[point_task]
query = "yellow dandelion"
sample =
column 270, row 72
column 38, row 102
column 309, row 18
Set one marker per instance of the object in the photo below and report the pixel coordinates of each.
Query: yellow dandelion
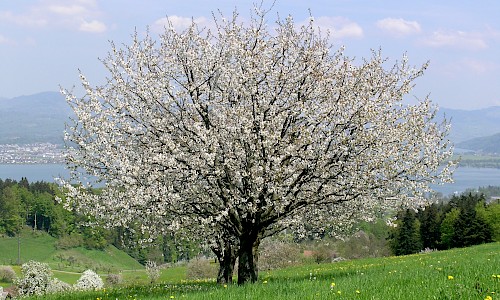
column 339, row 292
column 332, row 285
column 264, row 282
column 225, row 285
column 488, row 298
column 358, row 292
column 450, row 277
column 172, row 297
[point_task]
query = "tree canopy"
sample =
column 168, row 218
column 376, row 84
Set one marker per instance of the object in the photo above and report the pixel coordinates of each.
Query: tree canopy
column 238, row 133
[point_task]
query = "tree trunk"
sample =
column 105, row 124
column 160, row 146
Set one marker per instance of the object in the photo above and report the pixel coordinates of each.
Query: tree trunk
column 227, row 259
column 248, row 257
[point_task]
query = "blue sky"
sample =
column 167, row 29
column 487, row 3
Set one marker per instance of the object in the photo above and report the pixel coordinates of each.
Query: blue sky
column 43, row 43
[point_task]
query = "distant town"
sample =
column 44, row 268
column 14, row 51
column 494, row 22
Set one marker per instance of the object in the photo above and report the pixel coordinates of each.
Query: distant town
column 38, row 153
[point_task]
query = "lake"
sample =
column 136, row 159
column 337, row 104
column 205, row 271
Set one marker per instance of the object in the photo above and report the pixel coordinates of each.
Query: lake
column 464, row 177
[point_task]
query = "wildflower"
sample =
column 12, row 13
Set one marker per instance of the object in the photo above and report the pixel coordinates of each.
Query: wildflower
column 358, row 292
column 488, row 298
column 172, row 297
column 225, row 286
column 450, row 277
column 339, row 292
column 264, row 282
column 332, row 285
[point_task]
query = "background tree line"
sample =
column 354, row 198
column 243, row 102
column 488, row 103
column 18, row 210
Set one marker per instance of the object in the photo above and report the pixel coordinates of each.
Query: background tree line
column 464, row 220
column 33, row 205
column 459, row 221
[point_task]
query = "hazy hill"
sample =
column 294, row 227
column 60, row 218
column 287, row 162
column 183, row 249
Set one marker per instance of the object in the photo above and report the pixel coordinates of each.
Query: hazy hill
column 488, row 144
column 33, row 119
column 469, row 124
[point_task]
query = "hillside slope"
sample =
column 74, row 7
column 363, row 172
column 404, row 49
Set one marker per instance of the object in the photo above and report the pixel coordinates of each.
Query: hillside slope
column 469, row 124
column 488, row 144
column 38, row 118
column 40, row 246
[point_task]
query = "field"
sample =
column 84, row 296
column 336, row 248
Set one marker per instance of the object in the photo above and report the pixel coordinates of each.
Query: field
column 469, row 273
column 40, row 246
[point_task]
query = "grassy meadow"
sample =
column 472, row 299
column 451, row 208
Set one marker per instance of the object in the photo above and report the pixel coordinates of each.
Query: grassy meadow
column 40, row 246
column 468, row 273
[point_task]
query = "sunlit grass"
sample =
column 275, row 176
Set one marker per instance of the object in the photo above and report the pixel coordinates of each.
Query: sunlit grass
column 470, row 273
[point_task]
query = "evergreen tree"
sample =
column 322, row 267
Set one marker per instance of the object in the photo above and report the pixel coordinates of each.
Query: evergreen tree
column 430, row 231
column 470, row 228
column 407, row 237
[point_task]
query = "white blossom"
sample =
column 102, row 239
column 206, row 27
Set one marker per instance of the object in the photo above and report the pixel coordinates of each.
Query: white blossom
column 250, row 129
column 35, row 280
column 89, row 280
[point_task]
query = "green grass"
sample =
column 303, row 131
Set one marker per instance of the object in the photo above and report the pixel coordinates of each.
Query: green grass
column 40, row 247
column 34, row 246
column 470, row 273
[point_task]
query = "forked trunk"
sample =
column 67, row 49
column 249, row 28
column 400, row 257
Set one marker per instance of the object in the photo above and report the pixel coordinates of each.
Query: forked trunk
column 227, row 259
column 248, row 257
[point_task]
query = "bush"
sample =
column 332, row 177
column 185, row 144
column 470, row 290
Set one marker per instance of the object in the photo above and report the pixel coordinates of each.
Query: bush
column 58, row 286
column 324, row 254
column 7, row 274
column 201, row 268
column 69, row 241
column 276, row 254
column 35, row 280
column 363, row 244
column 3, row 294
column 89, row 281
column 114, row 279
column 153, row 271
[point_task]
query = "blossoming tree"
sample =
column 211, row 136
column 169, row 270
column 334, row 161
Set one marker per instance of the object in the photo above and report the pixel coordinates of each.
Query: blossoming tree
column 241, row 132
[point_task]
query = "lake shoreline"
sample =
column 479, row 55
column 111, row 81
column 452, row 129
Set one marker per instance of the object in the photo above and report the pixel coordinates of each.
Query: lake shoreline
column 465, row 177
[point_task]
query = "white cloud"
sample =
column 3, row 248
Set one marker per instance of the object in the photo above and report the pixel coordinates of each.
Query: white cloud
column 92, row 26
column 68, row 10
column 28, row 20
column 178, row 23
column 70, row 14
column 399, row 27
column 339, row 27
column 456, row 39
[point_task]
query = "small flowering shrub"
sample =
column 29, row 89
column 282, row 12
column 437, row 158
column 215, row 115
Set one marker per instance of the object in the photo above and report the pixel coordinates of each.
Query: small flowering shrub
column 7, row 274
column 275, row 254
column 3, row 295
column 89, row 281
column 114, row 279
column 153, row 271
column 35, row 280
column 58, row 286
column 201, row 268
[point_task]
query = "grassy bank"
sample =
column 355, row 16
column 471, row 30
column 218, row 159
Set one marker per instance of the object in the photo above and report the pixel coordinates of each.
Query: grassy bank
column 40, row 246
column 470, row 273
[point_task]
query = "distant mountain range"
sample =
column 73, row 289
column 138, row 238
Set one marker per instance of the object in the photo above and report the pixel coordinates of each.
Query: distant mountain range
column 470, row 124
column 40, row 118
column 487, row 144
